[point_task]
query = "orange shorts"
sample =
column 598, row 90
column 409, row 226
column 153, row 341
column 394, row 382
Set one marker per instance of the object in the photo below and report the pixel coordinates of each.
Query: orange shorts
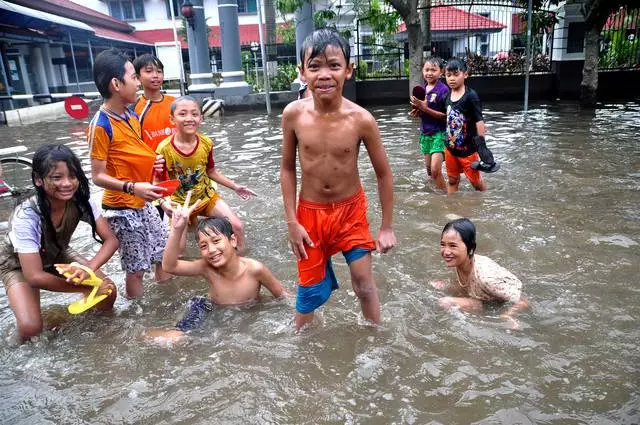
column 335, row 227
column 457, row 165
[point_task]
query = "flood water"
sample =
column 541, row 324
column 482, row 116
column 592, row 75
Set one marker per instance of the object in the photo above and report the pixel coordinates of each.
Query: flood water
column 562, row 214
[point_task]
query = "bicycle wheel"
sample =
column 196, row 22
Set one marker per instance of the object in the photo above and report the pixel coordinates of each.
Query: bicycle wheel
column 16, row 173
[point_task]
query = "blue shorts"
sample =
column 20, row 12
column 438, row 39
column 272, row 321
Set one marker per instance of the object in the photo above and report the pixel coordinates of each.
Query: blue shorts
column 197, row 308
column 311, row 297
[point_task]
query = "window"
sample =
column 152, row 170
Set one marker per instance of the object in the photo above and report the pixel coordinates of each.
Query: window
column 575, row 37
column 176, row 8
column 127, row 10
column 247, row 6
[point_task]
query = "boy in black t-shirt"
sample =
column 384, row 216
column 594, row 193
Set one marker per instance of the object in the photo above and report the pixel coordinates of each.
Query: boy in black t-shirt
column 466, row 149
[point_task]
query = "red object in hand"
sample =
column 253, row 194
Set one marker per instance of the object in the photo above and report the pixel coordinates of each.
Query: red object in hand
column 419, row 92
column 76, row 107
column 170, row 185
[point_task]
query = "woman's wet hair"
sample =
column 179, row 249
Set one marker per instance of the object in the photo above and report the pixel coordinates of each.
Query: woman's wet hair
column 44, row 161
column 456, row 65
column 434, row 60
column 318, row 41
column 466, row 230
column 185, row 98
column 107, row 66
column 145, row 60
column 214, row 225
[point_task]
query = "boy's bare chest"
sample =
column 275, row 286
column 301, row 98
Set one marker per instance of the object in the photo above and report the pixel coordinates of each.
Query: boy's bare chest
column 328, row 140
column 240, row 289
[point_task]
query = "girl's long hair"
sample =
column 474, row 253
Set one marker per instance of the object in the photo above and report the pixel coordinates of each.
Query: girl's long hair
column 45, row 160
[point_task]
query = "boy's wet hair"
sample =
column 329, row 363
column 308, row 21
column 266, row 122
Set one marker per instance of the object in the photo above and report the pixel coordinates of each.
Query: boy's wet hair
column 214, row 225
column 456, row 65
column 107, row 66
column 185, row 98
column 466, row 230
column 318, row 41
column 434, row 60
column 145, row 60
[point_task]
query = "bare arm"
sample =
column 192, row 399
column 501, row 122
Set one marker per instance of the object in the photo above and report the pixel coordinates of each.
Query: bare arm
column 36, row 277
column 242, row 191
column 371, row 137
column 107, row 249
column 269, row 281
column 481, row 128
column 143, row 190
column 170, row 261
column 297, row 234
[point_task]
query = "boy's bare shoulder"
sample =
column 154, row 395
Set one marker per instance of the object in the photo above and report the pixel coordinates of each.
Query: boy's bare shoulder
column 253, row 266
column 294, row 108
column 358, row 112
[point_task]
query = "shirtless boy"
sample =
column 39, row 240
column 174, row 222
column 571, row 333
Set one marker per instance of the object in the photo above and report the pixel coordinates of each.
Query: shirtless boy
column 326, row 130
column 232, row 279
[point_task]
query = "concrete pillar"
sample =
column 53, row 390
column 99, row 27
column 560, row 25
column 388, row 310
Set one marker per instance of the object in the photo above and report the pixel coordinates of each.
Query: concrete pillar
column 49, row 69
column 304, row 25
column 38, row 67
column 232, row 74
column 201, row 76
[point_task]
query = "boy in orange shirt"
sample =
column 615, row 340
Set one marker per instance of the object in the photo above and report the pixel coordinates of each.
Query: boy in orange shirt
column 327, row 130
column 122, row 164
column 153, row 107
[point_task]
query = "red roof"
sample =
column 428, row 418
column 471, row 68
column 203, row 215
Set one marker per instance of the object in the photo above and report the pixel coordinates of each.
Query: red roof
column 248, row 33
column 107, row 33
column 448, row 18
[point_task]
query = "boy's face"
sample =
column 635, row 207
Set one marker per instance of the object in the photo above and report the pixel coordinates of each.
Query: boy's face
column 431, row 72
column 216, row 249
column 455, row 79
column 187, row 117
column 325, row 74
column 151, row 77
column 128, row 87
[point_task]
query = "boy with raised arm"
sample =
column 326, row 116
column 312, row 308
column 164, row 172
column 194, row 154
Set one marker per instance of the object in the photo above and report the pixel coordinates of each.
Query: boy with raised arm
column 326, row 130
column 232, row 279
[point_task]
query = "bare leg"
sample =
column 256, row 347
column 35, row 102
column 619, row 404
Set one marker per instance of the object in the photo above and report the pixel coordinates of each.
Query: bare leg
column 303, row 320
column 452, row 184
column 161, row 275
column 427, row 163
column 436, row 171
column 134, row 284
column 480, row 186
column 365, row 288
column 221, row 209
column 170, row 335
column 25, row 303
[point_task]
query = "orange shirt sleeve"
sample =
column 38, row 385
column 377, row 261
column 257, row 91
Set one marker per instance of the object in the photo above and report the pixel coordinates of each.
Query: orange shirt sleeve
column 98, row 142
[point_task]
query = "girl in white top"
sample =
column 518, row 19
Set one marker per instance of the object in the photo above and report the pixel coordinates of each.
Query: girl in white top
column 479, row 279
column 40, row 230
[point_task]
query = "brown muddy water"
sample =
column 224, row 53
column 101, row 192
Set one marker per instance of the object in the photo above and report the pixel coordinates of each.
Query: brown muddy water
column 562, row 214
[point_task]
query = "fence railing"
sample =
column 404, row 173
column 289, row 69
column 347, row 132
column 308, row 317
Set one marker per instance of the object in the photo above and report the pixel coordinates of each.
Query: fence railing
column 619, row 42
column 490, row 34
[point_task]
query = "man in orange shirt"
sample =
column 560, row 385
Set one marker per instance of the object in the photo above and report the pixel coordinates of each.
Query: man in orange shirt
column 122, row 164
column 153, row 107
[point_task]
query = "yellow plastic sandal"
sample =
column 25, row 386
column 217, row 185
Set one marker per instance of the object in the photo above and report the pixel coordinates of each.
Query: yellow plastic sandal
column 91, row 300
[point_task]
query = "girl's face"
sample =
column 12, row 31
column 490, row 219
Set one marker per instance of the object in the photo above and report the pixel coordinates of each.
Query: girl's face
column 187, row 117
column 431, row 73
column 452, row 249
column 60, row 184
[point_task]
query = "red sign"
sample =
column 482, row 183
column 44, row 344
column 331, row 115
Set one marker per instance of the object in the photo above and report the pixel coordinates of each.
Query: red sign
column 76, row 107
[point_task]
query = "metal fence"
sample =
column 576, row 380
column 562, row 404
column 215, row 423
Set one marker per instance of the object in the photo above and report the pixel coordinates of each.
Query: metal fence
column 619, row 44
column 490, row 35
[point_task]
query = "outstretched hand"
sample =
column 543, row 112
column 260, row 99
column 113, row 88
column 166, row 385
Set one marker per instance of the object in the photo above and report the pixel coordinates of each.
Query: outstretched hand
column 181, row 213
column 244, row 192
